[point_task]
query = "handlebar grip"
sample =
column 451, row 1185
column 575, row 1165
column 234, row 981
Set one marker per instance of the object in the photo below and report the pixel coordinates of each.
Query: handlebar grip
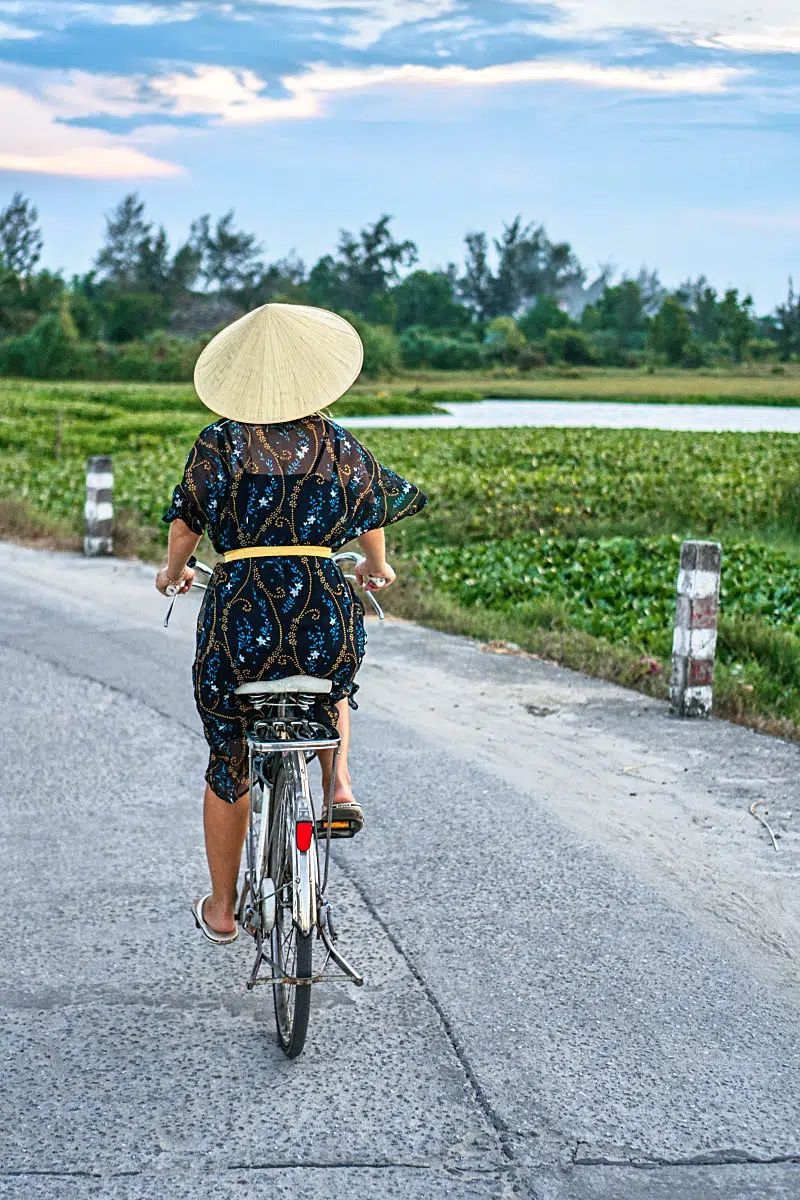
column 171, row 589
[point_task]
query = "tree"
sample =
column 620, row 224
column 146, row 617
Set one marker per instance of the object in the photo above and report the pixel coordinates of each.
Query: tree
column 652, row 291
column 476, row 285
column 736, row 319
column 323, row 282
column 119, row 261
column 529, row 265
column 285, row 278
column 20, row 236
column 420, row 347
column 50, row 350
column 787, row 325
column 428, row 298
column 130, row 316
column 619, row 310
column 365, row 267
column 381, row 348
column 569, row 346
column 670, row 330
column 504, row 339
column 542, row 316
column 702, row 304
column 229, row 259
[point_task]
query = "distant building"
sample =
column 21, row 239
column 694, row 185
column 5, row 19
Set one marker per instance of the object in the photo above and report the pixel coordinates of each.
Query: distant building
column 198, row 313
column 576, row 297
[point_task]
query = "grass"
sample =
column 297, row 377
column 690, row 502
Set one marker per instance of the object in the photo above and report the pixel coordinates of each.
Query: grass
column 751, row 384
column 545, row 633
column 20, row 521
column 561, row 541
column 65, row 418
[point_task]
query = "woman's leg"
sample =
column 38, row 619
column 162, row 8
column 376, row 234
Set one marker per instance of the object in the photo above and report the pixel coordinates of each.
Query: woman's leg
column 342, row 792
column 225, row 827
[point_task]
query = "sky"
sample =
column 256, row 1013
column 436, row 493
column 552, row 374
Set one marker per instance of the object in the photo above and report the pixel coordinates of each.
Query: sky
column 663, row 135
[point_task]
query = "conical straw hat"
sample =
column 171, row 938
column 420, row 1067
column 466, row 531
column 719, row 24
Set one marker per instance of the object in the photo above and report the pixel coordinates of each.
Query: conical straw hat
column 279, row 362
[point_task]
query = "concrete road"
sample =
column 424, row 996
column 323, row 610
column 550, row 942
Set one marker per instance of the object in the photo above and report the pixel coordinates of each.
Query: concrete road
column 581, row 951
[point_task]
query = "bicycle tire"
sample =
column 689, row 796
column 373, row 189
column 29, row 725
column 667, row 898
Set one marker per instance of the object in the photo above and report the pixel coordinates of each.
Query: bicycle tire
column 291, row 950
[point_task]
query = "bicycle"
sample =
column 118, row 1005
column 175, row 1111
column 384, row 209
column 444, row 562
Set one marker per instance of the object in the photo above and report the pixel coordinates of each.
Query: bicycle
column 283, row 901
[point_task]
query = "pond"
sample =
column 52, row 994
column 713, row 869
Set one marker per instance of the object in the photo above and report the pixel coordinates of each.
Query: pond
column 700, row 418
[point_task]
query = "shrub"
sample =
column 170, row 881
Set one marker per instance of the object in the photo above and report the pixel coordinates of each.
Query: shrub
column 670, row 330
column 49, row 351
column 569, row 346
column 420, row 348
column 504, row 340
column 381, row 351
column 449, row 396
column 542, row 316
column 763, row 348
column 695, row 354
column 162, row 358
column 130, row 316
column 530, row 358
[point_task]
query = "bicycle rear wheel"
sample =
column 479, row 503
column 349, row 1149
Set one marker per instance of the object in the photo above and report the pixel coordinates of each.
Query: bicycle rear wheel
column 291, row 949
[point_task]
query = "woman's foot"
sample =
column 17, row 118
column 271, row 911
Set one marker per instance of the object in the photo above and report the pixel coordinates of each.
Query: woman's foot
column 347, row 818
column 217, row 915
column 342, row 791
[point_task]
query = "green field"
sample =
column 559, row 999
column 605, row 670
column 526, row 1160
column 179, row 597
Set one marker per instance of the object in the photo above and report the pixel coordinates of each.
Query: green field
column 751, row 384
column 563, row 541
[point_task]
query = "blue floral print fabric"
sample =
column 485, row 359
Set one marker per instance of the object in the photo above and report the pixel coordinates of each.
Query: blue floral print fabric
column 306, row 482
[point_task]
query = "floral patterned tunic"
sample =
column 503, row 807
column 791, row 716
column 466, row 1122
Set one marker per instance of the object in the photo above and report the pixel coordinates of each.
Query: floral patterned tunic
column 304, row 482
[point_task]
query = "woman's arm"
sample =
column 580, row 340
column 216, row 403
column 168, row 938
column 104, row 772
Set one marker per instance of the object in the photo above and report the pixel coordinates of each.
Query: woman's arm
column 182, row 545
column 373, row 543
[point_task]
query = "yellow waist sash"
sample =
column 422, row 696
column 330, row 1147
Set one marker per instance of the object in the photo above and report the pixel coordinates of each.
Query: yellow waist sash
column 278, row 552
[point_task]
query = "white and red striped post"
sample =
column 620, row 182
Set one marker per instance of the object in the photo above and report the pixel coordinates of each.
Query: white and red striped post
column 695, row 640
column 99, row 508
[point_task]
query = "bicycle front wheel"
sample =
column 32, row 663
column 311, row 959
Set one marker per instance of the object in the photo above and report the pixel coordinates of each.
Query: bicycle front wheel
column 291, row 948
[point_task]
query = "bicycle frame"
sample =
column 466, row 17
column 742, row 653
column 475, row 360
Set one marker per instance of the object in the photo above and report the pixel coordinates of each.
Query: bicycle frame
column 310, row 907
column 282, row 738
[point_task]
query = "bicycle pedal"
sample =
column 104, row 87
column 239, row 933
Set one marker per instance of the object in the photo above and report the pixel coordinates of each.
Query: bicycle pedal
column 339, row 829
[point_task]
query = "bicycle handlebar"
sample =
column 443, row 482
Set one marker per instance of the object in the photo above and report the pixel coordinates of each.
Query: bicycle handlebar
column 347, row 555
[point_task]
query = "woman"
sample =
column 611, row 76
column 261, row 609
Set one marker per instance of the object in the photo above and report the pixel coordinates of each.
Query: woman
column 274, row 474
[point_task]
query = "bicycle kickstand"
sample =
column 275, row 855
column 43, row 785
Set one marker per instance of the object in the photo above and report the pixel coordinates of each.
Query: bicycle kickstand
column 328, row 935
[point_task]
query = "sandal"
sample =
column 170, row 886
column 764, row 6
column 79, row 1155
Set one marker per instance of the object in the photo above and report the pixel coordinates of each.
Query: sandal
column 219, row 939
column 346, row 821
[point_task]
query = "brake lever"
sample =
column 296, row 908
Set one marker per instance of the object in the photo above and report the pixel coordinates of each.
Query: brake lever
column 373, row 601
column 172, row 590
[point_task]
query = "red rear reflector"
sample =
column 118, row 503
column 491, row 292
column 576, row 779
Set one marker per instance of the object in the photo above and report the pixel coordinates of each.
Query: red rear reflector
column 304, row 831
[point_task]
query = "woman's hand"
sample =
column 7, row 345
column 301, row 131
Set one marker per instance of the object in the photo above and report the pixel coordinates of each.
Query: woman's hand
column 374, row 576
column 374, row 573
column 181, row 583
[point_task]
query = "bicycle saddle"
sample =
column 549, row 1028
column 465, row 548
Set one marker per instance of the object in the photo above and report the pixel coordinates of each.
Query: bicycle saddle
column 303, row 685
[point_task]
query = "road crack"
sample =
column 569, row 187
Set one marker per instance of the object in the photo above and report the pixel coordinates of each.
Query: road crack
column 729, row 1157
column 492, row 1116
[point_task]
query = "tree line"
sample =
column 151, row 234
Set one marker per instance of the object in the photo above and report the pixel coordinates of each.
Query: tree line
column 520, row 300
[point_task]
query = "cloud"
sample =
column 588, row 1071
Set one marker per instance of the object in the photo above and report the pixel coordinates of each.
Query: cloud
column 43, row 137
column 769, row 41
column 320, row 80
column 34, row 140
column 10, row 33
column 770, row 26
column 145, row 14
column 368, row 20
column 58, row 14
column 365, row 21
column 237, row 97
